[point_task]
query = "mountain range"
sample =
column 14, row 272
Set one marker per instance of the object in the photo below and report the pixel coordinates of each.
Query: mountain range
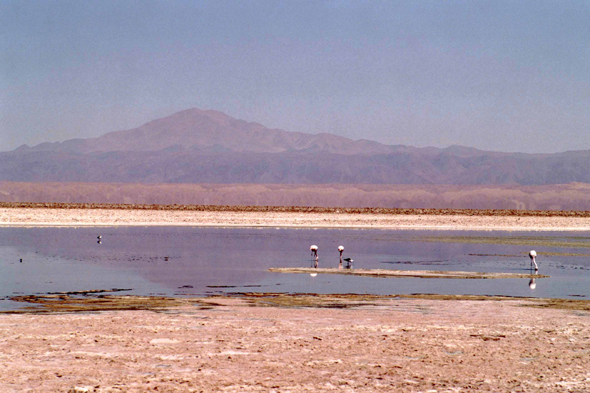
column 206, row 146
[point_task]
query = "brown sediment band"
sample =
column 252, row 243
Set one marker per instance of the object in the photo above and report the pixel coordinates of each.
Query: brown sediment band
column 302, row 209
column 50, row 304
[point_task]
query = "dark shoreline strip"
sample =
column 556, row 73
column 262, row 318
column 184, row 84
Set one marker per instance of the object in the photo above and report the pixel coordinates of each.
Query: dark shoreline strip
column 67, row 304
column 300, row 209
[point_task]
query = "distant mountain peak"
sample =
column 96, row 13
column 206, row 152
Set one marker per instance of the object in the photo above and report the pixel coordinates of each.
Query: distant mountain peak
column 214, row 130
column 208, row 146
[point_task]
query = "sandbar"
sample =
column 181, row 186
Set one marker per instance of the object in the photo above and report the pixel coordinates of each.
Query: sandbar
column 393, row 273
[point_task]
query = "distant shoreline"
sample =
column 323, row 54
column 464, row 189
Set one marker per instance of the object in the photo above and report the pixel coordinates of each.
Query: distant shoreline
column 72, row 215
column 299, row 209
column 557, row 197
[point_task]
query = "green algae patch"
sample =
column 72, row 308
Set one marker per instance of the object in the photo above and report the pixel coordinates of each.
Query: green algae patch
column 55, row 304
column 310, row 300
column 561, row 304
column 563, row 254
column 348, row 301
column 64, row 303
column 529, row 241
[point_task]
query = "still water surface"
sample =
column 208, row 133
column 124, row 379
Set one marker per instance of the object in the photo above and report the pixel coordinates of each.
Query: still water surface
column 201, row 261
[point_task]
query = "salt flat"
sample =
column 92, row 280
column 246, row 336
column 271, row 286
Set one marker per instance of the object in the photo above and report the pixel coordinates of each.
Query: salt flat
column 142, row 217
column 302, row 343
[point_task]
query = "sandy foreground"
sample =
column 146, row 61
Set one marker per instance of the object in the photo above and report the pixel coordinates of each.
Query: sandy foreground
column 290, row 343
column 244, row 345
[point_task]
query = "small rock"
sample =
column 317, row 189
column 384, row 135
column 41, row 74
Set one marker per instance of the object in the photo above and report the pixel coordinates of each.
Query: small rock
column 80, row 389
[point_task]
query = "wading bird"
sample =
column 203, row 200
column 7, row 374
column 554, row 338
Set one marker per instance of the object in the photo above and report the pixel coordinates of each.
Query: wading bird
column 314, row 254
column 349, row 262
column 533, row 255
column 341, row 250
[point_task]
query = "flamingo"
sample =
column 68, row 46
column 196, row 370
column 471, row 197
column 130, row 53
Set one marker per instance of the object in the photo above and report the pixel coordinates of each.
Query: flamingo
column 532, row 255
column 314, row 254
column 341, row 250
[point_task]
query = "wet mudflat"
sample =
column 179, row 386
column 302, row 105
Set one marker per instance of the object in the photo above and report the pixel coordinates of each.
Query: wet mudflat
column 188, row 262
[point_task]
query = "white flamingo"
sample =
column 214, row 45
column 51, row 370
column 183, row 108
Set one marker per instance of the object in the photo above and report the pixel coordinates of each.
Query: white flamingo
column 314, row 254
column 533, row 255
column 341, row 250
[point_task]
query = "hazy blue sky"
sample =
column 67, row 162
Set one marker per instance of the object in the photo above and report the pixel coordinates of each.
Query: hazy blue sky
column 498, row 75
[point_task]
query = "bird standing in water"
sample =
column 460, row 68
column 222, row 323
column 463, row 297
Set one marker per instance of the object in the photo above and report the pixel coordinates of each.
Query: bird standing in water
column 349, row 262
column 533, row 255
column 314, row 254
column 341, row 250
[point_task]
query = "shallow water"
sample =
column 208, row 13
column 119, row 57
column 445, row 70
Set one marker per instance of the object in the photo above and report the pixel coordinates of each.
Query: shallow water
column 200, row 261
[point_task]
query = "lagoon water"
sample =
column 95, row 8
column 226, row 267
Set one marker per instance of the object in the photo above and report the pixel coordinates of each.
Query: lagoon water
column 184, row 261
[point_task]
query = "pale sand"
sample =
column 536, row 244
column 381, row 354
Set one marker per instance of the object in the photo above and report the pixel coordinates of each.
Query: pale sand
column 115, row 217
column 375, row 345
